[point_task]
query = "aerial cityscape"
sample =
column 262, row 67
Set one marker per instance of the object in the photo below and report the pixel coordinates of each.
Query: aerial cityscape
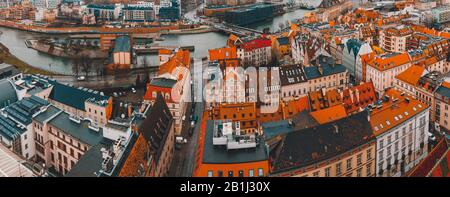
column 224, row 88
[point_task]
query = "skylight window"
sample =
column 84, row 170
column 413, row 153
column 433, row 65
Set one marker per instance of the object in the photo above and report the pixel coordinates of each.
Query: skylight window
column 400, row 116
column 388, row 123
column 396, row 118
column 420, row 106
column 376, row 128
column 414, row 108
column 406, row 113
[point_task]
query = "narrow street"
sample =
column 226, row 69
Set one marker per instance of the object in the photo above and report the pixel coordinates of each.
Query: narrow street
column 184, row 159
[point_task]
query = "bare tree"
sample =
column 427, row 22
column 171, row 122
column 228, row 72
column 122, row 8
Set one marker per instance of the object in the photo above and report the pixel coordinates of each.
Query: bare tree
column 86, row 64
column 76, row 66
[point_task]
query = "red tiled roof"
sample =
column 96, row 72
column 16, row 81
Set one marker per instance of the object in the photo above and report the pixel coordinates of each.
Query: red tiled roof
column 430, row 165
column 359, row 96
column 256, row 44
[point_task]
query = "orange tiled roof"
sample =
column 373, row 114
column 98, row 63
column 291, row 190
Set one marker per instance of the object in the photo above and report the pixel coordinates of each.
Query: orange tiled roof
column 411, row 75
column 181, row 58
column 222, row 53
column 165, row 52
column 329, row 114
column 387, row 117
column 389, row 61
column 295, row 106
column 446, row 84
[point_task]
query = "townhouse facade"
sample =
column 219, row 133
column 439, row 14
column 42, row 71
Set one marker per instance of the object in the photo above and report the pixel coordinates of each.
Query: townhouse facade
column 400, row 125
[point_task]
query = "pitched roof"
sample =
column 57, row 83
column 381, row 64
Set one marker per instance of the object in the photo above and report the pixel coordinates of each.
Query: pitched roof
column 222, row 53
column 157, row 126
column 256, row 44
column 444, row 89
column 291, row 74
column 389, row 113
column 359, row 96
column 329, row 114
column 74, row 97
column 180, row 58
column 412, row 75
column 326, row 69
column 313, row 145
column 163, row 82
column 436, row 163
column 390, row 60
column 353, row 46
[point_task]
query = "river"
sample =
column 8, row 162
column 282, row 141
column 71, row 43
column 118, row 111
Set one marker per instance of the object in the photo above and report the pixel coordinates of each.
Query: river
column 14, row 40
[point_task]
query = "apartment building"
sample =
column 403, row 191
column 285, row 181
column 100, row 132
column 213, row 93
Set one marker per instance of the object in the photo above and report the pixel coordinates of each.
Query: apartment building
column 400, row 124
column 441, row 14
column 314, row 152
column 138, row 13
column 382, row 69
column 293, row 82
column 16, row 131
column 80, row 102
column 326, row 74
column 393, row 39
column 442, row 96
column 352, row 52
column 173, row 82
column 421, row 84
column 255, row 51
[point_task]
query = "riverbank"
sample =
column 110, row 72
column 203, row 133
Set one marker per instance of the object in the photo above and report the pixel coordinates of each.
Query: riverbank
column 7, row 57
column 83, row 30
column 65, row 52
column 199, row 30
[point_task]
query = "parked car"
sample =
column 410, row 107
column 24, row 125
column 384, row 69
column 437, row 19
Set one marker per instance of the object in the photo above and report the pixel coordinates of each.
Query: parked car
column 81, row 78
column 431, row 136
column 192, row 124
column 133, row 90
column 115, row 94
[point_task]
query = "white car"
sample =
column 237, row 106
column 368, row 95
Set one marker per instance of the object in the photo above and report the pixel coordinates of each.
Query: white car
column 81, row 78
column 431, row 137
column 133, row 90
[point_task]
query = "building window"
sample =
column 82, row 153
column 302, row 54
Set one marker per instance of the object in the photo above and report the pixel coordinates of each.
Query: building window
column 349, row 164
column 369, row 169
column 338, row 169
column 359, row 172
column 359, row 159
column 251, row 173
column 241, row 173
column 316, row 174
column 220, row 173
column 260, row 172
column 327, row 172
column 230, row 173
column 210, row 173
column 369, row 154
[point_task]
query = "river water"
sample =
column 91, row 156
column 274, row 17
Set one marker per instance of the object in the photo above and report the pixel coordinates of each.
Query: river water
column 14, row 40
